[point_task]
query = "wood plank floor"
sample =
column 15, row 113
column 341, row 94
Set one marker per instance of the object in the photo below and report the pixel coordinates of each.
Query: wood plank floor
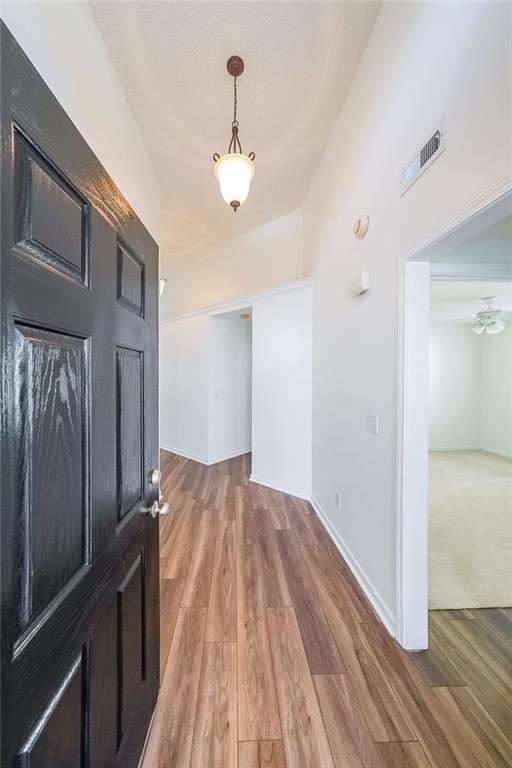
column 272, row 657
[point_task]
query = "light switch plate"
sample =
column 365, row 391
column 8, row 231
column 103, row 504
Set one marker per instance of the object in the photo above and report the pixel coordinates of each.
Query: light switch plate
column 372, row 424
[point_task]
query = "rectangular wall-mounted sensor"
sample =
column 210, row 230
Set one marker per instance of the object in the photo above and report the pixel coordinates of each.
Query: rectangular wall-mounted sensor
column 360, row 284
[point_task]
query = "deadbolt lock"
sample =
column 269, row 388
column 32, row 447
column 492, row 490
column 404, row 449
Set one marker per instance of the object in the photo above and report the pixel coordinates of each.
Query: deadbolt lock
column 154, row 477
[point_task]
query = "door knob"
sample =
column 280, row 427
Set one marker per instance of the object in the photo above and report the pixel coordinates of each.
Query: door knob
column 158, row 509
column 154, row 477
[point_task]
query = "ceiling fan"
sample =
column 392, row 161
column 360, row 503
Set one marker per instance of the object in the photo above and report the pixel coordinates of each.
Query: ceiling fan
column 490, row 319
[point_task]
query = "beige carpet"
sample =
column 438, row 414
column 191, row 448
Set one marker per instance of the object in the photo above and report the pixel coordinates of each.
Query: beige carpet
column 470, row 530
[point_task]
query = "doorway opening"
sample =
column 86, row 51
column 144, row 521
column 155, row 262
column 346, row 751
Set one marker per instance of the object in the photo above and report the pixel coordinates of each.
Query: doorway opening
column 230, row 385
column 470, row 443
column 476, row 247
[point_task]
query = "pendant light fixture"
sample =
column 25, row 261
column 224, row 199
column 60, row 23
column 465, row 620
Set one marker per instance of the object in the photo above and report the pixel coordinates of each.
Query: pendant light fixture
column 234, row 171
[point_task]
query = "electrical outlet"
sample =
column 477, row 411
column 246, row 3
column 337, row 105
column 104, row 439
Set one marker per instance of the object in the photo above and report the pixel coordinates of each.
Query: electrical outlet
column 337, row 497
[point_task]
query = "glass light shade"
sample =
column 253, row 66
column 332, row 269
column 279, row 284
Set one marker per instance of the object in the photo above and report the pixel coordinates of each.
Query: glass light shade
column 495, row 327
column 163, row 283
column 234, row 173
column 478, row 329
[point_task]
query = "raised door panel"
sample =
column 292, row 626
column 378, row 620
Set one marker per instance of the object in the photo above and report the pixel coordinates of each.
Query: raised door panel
column 103, row 687
column 131, row 643
column 52, row 414
column 130, row 429
column 52, row 217
column 59, row 736
column 130, row 280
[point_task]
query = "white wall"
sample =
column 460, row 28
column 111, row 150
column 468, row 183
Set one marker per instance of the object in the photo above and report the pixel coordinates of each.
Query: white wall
column 262, row 258
column 397, row 97
column 184, row 363
column 66, row 47
column 455, row 374
column 470, row 389
column 496, row 404
column 230, row 352
column 281, row 410
column 196, row 358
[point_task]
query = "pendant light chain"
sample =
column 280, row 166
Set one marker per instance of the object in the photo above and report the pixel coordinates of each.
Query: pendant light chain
column 234, row 144
column 235, row 102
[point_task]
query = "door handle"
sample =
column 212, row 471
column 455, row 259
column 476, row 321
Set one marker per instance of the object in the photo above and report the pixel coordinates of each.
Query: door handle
column 158, row 509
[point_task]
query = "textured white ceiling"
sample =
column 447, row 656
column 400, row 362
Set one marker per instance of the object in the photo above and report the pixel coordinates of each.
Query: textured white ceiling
column 171, row 60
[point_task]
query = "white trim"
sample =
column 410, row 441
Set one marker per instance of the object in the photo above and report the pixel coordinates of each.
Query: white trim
column 200, row 459
column 494, row 194
column 470, row 272
column 185, row 454
column 412, row 458
column 244, row 301
column 412, row 448
column 483, row 448
column 383, row 611
column 455, row 448
column 496, row 452
column 289, row 489
column 233, row 455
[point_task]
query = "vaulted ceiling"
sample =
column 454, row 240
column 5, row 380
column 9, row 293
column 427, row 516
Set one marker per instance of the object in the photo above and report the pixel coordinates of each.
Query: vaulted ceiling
column 171, row 58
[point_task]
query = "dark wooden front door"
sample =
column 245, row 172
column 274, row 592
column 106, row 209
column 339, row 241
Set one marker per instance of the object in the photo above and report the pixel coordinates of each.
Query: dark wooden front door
column 79, row 290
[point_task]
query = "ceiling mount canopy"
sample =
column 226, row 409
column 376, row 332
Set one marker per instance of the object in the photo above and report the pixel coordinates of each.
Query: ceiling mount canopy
column 234, row 170
column 235, row 66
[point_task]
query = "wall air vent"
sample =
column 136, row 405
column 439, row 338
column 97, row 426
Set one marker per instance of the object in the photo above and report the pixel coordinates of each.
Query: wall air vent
column 423, row 159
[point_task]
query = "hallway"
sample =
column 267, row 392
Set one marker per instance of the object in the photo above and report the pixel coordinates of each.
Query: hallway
column 271, row 655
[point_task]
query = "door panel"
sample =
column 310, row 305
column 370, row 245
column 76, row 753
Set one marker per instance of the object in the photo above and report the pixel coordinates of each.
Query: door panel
column 130, row 429
column 130, row 629
column 130, row 280
column 79, row 282
column 52, row 398
column 103, row 687
column 51, row 216
column 64, row 716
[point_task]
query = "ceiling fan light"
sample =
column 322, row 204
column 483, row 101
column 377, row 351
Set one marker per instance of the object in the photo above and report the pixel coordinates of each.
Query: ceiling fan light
column 234, row 173
column 496, row 327
column 478, row 329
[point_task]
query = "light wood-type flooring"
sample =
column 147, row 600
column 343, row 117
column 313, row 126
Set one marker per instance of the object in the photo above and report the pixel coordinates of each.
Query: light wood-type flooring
column 271, row 656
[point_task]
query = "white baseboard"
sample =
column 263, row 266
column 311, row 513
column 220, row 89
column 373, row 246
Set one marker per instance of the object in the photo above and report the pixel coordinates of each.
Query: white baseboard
column 185, row 454
column 202, row 459
column 292, row 491
column 472, row 448
column 383, row 611
column 455, row 448
column 225, row 457
column 496, row 452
